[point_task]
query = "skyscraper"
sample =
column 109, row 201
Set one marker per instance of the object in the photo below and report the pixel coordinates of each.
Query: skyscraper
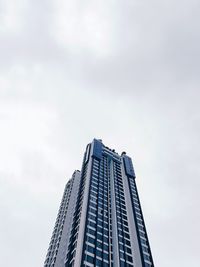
column 100, row 221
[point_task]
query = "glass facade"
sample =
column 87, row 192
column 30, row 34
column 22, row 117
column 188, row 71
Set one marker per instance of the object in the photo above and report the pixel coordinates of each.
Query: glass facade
column 58, row 229
column 107, row 226
column 98, row 234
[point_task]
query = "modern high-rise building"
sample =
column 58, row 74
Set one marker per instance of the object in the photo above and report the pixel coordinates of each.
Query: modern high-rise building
column 100, row 221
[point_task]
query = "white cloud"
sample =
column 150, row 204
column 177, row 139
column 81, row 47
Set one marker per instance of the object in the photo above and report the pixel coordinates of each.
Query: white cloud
column 24, row 127
column 12, row 16
column 85, row 27
column 124, row 71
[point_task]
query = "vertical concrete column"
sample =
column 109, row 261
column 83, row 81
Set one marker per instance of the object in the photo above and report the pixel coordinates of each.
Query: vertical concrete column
column 116, row 262
column 131, row 220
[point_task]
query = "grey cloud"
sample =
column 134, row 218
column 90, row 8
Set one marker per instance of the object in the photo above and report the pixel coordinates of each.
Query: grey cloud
column 138, row 90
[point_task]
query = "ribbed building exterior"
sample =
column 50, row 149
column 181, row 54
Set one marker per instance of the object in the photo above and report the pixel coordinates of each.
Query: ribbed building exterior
column 100, row 221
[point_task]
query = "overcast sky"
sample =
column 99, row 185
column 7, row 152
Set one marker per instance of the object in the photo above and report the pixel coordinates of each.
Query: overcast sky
column 125, row 71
